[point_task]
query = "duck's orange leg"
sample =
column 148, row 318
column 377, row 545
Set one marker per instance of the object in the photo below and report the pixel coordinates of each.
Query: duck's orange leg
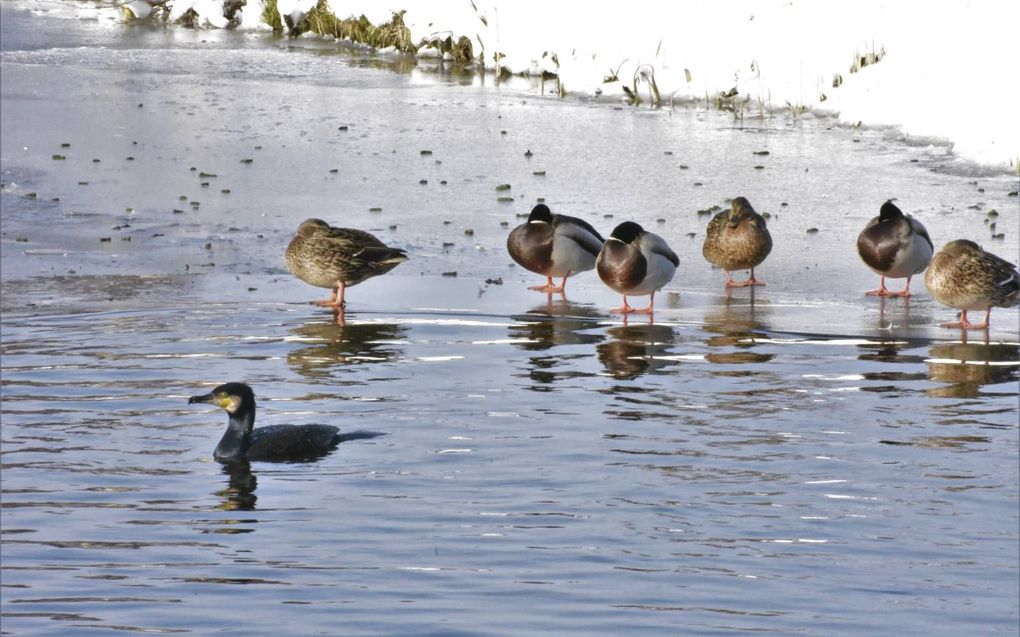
column 336, row 299
column 550, row 287
column 964, row 324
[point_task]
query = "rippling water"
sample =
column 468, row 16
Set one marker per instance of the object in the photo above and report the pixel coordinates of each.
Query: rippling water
column 792, row 460
column 608, row 478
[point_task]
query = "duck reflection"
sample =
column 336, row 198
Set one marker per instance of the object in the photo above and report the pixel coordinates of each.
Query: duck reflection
column 904, row 366
column 965, row 366
column 557, row 322
column 638, row 349
column 895, row 315
column 889, row 351
column 329, row 345
column 239, row 494
column 734, row 324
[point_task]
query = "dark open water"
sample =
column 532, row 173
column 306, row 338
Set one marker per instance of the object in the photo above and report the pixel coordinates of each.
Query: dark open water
column 801, row 461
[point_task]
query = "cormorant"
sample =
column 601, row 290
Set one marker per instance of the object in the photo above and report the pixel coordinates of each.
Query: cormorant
column 241, row 442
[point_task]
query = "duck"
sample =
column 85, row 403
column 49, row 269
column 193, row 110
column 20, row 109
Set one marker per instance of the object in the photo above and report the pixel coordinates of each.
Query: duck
column 338, row 258
column 554, row 245
column 894, row 246
column 636, row 262
column 241, row 442
column 737, row 239
column 964, row 276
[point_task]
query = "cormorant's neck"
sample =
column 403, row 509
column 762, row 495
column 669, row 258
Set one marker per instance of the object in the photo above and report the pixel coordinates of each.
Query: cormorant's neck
column 237, row 438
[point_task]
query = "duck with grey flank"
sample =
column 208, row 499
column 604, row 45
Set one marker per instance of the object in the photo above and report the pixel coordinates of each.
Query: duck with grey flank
column 894, row 246
column 635, row 262
column 554, row 245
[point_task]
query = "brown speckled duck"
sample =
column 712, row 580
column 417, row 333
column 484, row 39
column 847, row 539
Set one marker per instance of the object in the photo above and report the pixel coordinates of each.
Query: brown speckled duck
column 894, row 245
column 554, row 245
column 962, row 275
column 337, row 258
column 635, row 262
column 737, row 239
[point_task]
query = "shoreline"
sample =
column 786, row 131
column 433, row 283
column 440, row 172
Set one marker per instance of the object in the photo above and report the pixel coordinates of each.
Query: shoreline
column 871, row 74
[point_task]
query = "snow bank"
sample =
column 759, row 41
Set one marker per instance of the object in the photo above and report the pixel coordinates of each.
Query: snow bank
column 934, row 70
column 938, row 70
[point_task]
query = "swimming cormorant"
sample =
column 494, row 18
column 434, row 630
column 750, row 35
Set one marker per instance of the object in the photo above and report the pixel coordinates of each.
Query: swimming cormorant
column 241, row 442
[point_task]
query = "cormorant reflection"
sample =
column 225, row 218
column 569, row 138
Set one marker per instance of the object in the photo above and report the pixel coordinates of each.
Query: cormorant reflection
column 239, row 494
column 330, row 345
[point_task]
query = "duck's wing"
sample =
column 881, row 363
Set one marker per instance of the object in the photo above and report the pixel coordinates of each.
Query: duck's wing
column 580, row 232
column 918, row 228
column 716, row 224
column 381, row 255
column 654, row 244
column 360, row 248
column 351, row 239
column 1005, row 277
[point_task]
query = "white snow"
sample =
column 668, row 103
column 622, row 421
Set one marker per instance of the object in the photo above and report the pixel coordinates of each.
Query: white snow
column 942, row 71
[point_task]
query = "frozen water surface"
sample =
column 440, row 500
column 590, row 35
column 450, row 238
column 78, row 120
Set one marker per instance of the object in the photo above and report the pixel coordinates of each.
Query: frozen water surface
column 799, row 460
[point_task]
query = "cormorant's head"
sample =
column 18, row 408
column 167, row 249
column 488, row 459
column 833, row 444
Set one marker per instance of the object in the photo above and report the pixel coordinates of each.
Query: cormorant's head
column 229, row 396
column 540, row 213
column 889, row 212
column 626, row 232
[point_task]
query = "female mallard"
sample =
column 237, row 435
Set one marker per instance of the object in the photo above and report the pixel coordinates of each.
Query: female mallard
column 634, row 262
column 737, row 239
column 554, row 246
column 894, row 245
column 964, row 276
column 241, row 442
column 337, row 258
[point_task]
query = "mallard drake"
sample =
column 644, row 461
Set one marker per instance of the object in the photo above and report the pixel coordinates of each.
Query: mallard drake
column 894, row 245
column 241, row 442
column 338, row 258
column 635, row 262
column 737, row 239
column 964, row 276
column 554, row 245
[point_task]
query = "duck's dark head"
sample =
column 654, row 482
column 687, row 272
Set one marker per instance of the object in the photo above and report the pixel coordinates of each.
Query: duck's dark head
column 889, row 212
column 627, row 232
column 235, row 398
column 540, row 214
column 740, row 209
column 309, row 227
column 961, row 247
